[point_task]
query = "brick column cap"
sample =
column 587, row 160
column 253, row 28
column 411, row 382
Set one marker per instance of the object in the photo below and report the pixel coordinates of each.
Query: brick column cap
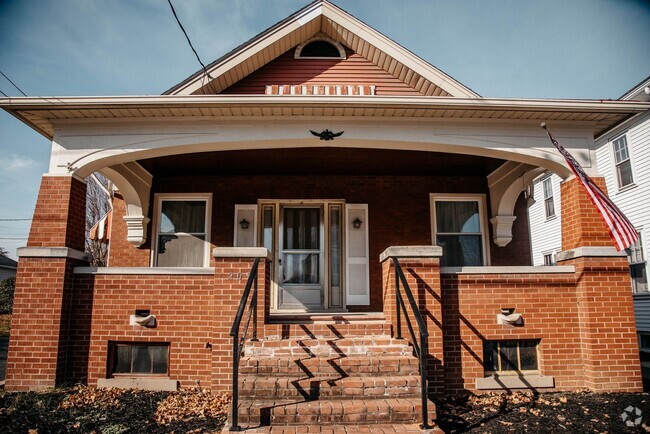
column 52, row 252
column 589, row 252
column 241, row 252
column 411, row 252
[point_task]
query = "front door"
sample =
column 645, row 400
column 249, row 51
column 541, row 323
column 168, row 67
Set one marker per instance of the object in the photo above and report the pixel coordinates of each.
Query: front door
column 301, row 257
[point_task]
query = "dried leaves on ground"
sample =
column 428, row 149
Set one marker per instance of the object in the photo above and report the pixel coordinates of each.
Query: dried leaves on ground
column 521, row 412
column 112, row 411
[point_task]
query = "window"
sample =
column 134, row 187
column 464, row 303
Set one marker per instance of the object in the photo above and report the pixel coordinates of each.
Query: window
column 549, row 204
column 548, row 259
column 622, row 161
column 320, row 49
column 139, row 358
column 182, row 231
column 637, row 267
column 510, row 357
column 458, row 229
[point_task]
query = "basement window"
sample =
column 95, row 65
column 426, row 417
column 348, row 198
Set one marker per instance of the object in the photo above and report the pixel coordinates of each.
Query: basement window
column 139, row 358
column 511, row 357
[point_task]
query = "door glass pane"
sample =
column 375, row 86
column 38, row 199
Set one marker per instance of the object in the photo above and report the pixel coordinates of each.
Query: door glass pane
column 301, row 268
column 301, row 229
column 182, row 216
column 460, row 250
column 457, row 216
column 335, row 247
column 267, row 231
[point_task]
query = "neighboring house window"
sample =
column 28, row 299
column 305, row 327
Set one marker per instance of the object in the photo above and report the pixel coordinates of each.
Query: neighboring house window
column 139, row 358
column 510, row 357
column 548, row 259
column 622, row 161
column 459, row 230
column 182, row 231
column 549, row 204
column 637, row 267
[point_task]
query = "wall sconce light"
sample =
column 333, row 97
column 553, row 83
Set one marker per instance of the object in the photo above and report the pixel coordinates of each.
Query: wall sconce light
column 357, row 223
column 244, row 224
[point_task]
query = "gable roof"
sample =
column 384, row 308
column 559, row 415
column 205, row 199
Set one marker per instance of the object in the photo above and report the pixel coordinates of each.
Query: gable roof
column 6, row 262
column 322, row 17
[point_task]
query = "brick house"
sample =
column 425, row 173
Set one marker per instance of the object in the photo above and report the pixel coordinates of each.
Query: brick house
column 328, row 162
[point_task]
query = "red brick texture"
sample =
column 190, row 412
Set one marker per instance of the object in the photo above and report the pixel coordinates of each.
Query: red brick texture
column 423, row 277
column 582, row 225
column 194, row 315
column 60, row 215
column 122, row 253
column 40, row 329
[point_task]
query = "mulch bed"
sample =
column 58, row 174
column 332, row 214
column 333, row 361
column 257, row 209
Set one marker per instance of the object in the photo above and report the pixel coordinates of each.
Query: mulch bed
column 87, row 410
column 580, row 412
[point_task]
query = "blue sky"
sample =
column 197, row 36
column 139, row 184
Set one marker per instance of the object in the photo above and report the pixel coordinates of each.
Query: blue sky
column 594, row 49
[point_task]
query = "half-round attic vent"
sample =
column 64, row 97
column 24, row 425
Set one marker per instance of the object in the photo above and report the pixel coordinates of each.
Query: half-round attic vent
column 320, row 48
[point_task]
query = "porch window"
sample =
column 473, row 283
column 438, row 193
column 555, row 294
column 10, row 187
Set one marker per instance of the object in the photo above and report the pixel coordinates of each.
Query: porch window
column 622, row 161
column 510, row 357
column 139, row 358
column 549, row 201
column 458, row 229
column 182, row 239
column 637, row 267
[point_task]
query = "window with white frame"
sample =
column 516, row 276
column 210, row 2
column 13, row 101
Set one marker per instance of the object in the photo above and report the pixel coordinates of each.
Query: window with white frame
column 637, row 267
column 182, row 238
column 459, row 229
column 549, row 201
column 622, row 162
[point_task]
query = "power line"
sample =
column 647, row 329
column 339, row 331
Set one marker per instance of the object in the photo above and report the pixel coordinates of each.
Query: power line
column 4, row 94
column 205, row 70
column 15, row 239
column 14, row 220
column 8, row 79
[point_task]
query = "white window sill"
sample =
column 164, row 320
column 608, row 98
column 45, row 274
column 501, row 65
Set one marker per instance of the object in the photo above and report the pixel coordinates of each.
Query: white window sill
column 626, row 188
column 551, row 218
column 143, row 383
column 501, row 382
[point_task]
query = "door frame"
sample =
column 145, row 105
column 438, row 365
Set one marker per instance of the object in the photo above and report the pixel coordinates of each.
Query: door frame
column 324, row 204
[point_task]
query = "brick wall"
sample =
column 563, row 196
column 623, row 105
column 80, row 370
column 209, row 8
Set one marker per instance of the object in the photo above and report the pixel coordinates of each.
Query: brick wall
column 398, row 206
column 194, row 314
column 122, row 253
column 582, row 225
column 548, row 304
column 60, row 214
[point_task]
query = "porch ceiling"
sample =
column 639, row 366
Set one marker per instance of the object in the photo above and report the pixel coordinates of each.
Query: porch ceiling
column 321, row 161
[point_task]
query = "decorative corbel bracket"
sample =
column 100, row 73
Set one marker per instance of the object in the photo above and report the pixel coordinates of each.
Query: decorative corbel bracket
column 502, row 229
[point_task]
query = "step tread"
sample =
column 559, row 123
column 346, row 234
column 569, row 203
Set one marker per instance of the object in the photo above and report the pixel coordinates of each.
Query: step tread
column 409, row 428
column 329, row 412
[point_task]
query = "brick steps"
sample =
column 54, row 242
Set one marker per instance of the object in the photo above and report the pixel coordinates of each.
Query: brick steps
column 358, row 366
column 345, row 429
column 331, row 412
column 364, row 346
column 323, row 387
column 312, row 326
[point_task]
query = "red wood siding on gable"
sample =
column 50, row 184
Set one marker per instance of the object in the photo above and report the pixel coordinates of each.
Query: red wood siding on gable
column 289, row 71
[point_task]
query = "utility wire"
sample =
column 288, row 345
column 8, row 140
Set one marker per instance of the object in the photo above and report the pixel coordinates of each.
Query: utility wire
column 8, row 79
column 4, row 94
column 205, row 70
column 14, row 220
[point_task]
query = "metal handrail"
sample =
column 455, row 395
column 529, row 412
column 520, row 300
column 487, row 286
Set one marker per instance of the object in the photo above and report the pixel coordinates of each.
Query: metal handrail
column 238, row 341
column 420, row 350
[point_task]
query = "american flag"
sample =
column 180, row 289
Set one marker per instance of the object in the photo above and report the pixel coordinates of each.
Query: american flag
column 620, row 229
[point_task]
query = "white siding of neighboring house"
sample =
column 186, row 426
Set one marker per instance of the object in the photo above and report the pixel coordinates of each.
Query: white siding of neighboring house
column 545, row 234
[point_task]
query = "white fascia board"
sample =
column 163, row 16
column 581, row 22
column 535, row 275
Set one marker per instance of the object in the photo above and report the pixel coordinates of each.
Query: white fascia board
column 180, row 101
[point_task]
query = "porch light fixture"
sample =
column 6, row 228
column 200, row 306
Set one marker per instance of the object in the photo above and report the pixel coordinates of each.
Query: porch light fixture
column 357, row 223
column 244, row 224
